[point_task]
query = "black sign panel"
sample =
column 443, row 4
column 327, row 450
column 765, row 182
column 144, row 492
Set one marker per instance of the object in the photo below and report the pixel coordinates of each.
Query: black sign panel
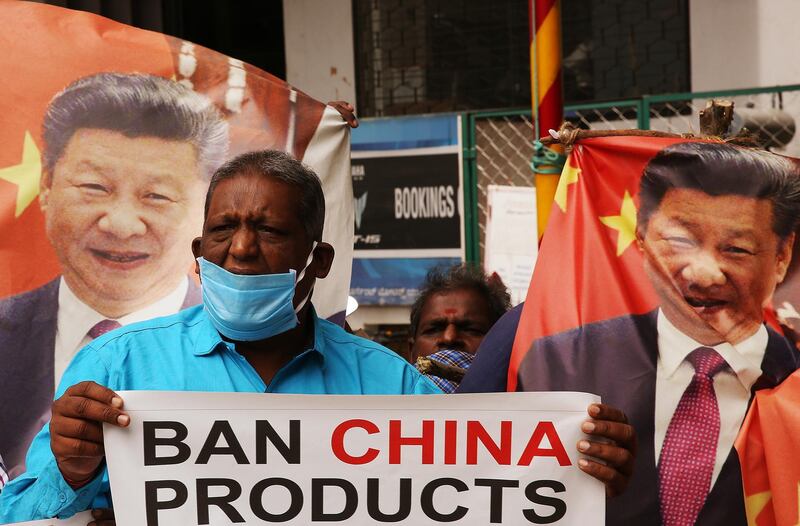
column 407, row 202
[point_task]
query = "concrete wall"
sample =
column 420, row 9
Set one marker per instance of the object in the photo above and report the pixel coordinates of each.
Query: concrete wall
column 319, row 48
column 744, row 43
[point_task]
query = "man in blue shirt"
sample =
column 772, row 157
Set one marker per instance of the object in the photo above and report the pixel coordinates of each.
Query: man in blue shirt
column 255, row 333
column 258, row 259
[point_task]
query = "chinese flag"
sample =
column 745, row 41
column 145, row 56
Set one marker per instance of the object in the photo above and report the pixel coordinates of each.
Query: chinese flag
column 766, row 445
column 589, row 268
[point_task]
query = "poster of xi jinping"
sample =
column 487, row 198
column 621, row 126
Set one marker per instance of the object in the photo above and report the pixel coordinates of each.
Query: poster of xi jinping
column 108, row 139
column 659, row 262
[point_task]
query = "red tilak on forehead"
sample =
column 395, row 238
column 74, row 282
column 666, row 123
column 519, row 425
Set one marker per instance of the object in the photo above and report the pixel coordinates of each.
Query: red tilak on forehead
column 450, row 311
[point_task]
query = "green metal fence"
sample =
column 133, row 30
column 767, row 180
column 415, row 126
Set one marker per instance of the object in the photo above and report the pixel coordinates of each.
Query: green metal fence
column 498, row 145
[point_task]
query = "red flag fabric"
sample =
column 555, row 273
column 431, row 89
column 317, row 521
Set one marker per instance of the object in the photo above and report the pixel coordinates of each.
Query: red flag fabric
column 588, row 258
column 766, row 446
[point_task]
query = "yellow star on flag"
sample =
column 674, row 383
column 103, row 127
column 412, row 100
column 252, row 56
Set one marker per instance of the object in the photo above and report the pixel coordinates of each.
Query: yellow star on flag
column 569, row 175
column 26, row 175
column 754, row 505
column 624, row 223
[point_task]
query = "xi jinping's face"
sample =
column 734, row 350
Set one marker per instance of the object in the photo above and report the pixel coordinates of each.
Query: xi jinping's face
column 120, row 213
column 714, row 261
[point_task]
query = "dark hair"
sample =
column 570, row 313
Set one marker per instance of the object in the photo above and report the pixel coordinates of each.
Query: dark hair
column 459, row 277
column 136, row 105
column 284, row 168
column 719, row 169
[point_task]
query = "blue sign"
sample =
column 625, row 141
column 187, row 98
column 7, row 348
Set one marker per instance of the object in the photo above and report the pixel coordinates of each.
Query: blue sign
column 392, row 281
column 408, row 205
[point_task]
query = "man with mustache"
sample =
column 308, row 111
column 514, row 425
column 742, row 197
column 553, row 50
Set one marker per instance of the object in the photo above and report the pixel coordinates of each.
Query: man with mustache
column 127, row 159
column 455, row 309
column 257, row 331
column 716, row 226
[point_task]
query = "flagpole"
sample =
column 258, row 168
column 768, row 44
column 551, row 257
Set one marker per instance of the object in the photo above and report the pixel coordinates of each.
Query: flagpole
column 547, row 96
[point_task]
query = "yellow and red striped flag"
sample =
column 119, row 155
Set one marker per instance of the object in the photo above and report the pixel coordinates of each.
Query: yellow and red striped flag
column 546, row 91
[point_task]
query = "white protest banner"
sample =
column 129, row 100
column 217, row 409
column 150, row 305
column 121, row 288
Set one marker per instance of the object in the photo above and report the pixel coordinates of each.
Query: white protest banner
column 227, row 458
column 79, row 519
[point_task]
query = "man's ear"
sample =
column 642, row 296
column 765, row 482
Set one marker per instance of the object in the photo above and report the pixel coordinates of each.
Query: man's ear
column 640, row 239
column 323, row 259
column 44, row 190
column 197, row 250
column 784, row 257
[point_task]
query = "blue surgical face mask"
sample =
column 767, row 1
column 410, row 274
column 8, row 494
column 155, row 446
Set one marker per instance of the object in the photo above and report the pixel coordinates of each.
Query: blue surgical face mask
column 251, row 307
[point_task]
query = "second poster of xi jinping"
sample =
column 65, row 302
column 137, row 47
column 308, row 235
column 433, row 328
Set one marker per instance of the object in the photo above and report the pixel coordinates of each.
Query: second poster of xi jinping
column 653, row 290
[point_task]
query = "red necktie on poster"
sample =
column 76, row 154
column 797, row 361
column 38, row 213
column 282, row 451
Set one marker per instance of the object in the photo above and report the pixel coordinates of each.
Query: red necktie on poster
column 690, row 445
column 102, row 327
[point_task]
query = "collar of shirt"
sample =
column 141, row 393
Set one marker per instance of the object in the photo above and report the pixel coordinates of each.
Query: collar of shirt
column 210, row 339
column 744, row 359
column 75, row 318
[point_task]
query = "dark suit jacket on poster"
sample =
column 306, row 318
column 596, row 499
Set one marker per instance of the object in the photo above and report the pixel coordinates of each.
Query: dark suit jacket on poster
column 28, row 324
column 489, row 370
column 617, row 360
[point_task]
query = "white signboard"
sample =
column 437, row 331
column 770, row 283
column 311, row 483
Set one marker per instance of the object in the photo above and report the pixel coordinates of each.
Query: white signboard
column 79, row 519
column 511, row 237
column 232, row 458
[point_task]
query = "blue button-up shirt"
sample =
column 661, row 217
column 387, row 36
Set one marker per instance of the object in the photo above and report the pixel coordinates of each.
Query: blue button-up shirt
column 184, row 352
